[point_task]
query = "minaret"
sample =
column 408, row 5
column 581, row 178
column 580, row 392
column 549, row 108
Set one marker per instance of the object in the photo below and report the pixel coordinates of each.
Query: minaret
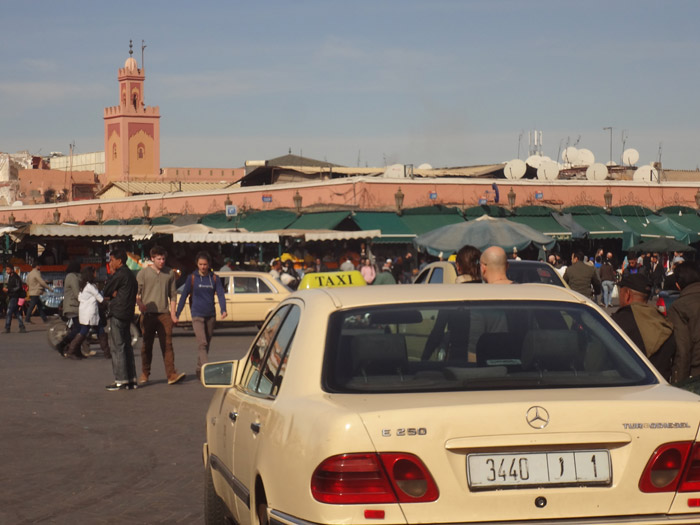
column 132, row 130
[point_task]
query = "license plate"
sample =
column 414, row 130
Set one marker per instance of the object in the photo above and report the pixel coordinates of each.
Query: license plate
column 580, row 467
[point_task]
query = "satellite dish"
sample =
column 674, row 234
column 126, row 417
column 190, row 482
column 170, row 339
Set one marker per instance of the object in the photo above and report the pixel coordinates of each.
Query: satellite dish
column 425, row 166
column 630, row 157
column 548, row 171
column 646, row 173
column 585, row 157
column 534, row 161
column 545, row 158
column 395, row 171
column 515, row 169
column 17, row 204
column 597, row 171
column 570, row 155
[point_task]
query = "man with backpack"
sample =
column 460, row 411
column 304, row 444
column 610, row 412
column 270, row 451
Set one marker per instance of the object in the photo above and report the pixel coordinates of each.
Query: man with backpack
column 202, row 286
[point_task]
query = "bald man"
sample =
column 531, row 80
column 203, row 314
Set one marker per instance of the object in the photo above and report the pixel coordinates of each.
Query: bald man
column 494, row 263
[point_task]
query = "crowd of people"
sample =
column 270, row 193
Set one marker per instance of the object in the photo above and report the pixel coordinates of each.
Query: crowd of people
column 672, row 342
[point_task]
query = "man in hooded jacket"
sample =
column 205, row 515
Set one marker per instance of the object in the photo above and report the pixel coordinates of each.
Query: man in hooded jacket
column 643, row 323
column 685, row 316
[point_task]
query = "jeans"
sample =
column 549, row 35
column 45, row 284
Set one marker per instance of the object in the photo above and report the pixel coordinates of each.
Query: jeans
column 203, row 330
column 608, row 287
column 161, row 325
column 13, row 310
column 123, row 365
column 36, row 301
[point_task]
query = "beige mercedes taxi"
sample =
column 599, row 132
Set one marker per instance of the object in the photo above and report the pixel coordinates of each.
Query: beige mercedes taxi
column 513, row 404
column 250, row 297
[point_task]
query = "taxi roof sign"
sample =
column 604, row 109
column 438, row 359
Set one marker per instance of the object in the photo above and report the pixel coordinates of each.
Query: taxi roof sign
column 331, row 279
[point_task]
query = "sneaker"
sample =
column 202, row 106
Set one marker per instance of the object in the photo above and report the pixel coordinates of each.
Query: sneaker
column 143, row 379
column 22, row 330
column 117, row 386
column 176, row 378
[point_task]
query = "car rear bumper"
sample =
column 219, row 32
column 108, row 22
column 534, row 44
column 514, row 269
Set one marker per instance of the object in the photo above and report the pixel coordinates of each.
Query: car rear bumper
column 280, row 518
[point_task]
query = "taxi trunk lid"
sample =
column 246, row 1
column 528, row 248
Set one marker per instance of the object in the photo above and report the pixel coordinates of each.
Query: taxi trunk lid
column 586, row 448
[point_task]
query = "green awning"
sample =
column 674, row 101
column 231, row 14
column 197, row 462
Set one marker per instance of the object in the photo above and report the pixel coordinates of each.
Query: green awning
column 491, row 210
column 219, row 220
column 328, row 220
column 584, row 210
column 427, row 218
column 534, row 211
column 266, row 220
column 688, row 217
column 653, row 226
column 393, row 229
column 599, row 226
column 546, row 225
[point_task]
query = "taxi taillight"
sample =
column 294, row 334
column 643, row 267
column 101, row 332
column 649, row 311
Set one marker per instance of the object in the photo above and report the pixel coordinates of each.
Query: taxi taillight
column 665, row 467
column 373, row 478
column 691, row 476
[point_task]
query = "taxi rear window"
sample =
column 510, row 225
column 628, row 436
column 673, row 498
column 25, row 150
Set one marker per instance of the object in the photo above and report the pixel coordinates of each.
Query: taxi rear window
column 476, row 345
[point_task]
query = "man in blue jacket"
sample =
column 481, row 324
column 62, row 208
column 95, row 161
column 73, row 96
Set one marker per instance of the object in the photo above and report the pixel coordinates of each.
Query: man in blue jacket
column 201, row 287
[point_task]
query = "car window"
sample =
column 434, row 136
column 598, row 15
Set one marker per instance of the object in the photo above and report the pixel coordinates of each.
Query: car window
column 533, row 273
column 276, row 360
column 422, row 277
column 264, row 287
column 477, row 345
column 266, row 336
column 250, row 285
column 438, row 275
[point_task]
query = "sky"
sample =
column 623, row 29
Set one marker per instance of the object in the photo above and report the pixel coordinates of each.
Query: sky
column 360, row 83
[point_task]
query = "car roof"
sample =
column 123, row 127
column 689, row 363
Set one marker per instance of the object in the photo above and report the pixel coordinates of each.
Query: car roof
column 406, row 294
column 241, row 273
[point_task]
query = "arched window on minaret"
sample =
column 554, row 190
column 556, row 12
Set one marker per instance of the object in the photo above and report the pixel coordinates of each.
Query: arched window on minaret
column 140, row 151
column 114, row 152
column 135, row 101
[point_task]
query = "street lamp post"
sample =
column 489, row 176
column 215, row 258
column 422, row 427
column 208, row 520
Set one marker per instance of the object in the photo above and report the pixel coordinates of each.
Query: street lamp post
column 398, row 199
column 607, row 196
column 511, row 198
column 297, row 202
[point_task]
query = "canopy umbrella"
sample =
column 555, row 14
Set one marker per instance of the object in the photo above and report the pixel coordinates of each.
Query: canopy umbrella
column 661, row 244
column 482, row 233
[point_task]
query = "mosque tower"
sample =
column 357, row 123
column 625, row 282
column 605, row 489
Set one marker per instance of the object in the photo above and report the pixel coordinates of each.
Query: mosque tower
column 132, row 130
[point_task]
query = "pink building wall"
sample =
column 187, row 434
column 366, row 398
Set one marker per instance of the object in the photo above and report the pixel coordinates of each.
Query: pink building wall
column 367, row 194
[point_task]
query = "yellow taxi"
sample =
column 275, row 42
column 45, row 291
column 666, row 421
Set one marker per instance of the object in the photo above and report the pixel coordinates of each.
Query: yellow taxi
column 331, row 279
column 533, row 407
column 250, row 297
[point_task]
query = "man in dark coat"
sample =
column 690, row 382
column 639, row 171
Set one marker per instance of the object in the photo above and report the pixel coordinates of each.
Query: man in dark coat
column 644, row 324
column 15, row 292
column 121, row 290
column 581, row 276
column 685, row 316
column 656, row 273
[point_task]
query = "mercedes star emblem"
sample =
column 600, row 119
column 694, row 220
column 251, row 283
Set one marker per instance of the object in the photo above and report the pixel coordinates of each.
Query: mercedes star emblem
column 537, row 417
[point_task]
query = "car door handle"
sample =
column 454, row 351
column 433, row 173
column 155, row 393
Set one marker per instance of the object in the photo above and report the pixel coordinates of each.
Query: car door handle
column 255, row 427
column 233, row 416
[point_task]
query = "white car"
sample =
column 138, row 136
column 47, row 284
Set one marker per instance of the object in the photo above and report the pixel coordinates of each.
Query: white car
column 509, row 405
column 250, row 297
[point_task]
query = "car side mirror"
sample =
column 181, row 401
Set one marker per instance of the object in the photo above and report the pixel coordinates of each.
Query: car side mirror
column 219, row 375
